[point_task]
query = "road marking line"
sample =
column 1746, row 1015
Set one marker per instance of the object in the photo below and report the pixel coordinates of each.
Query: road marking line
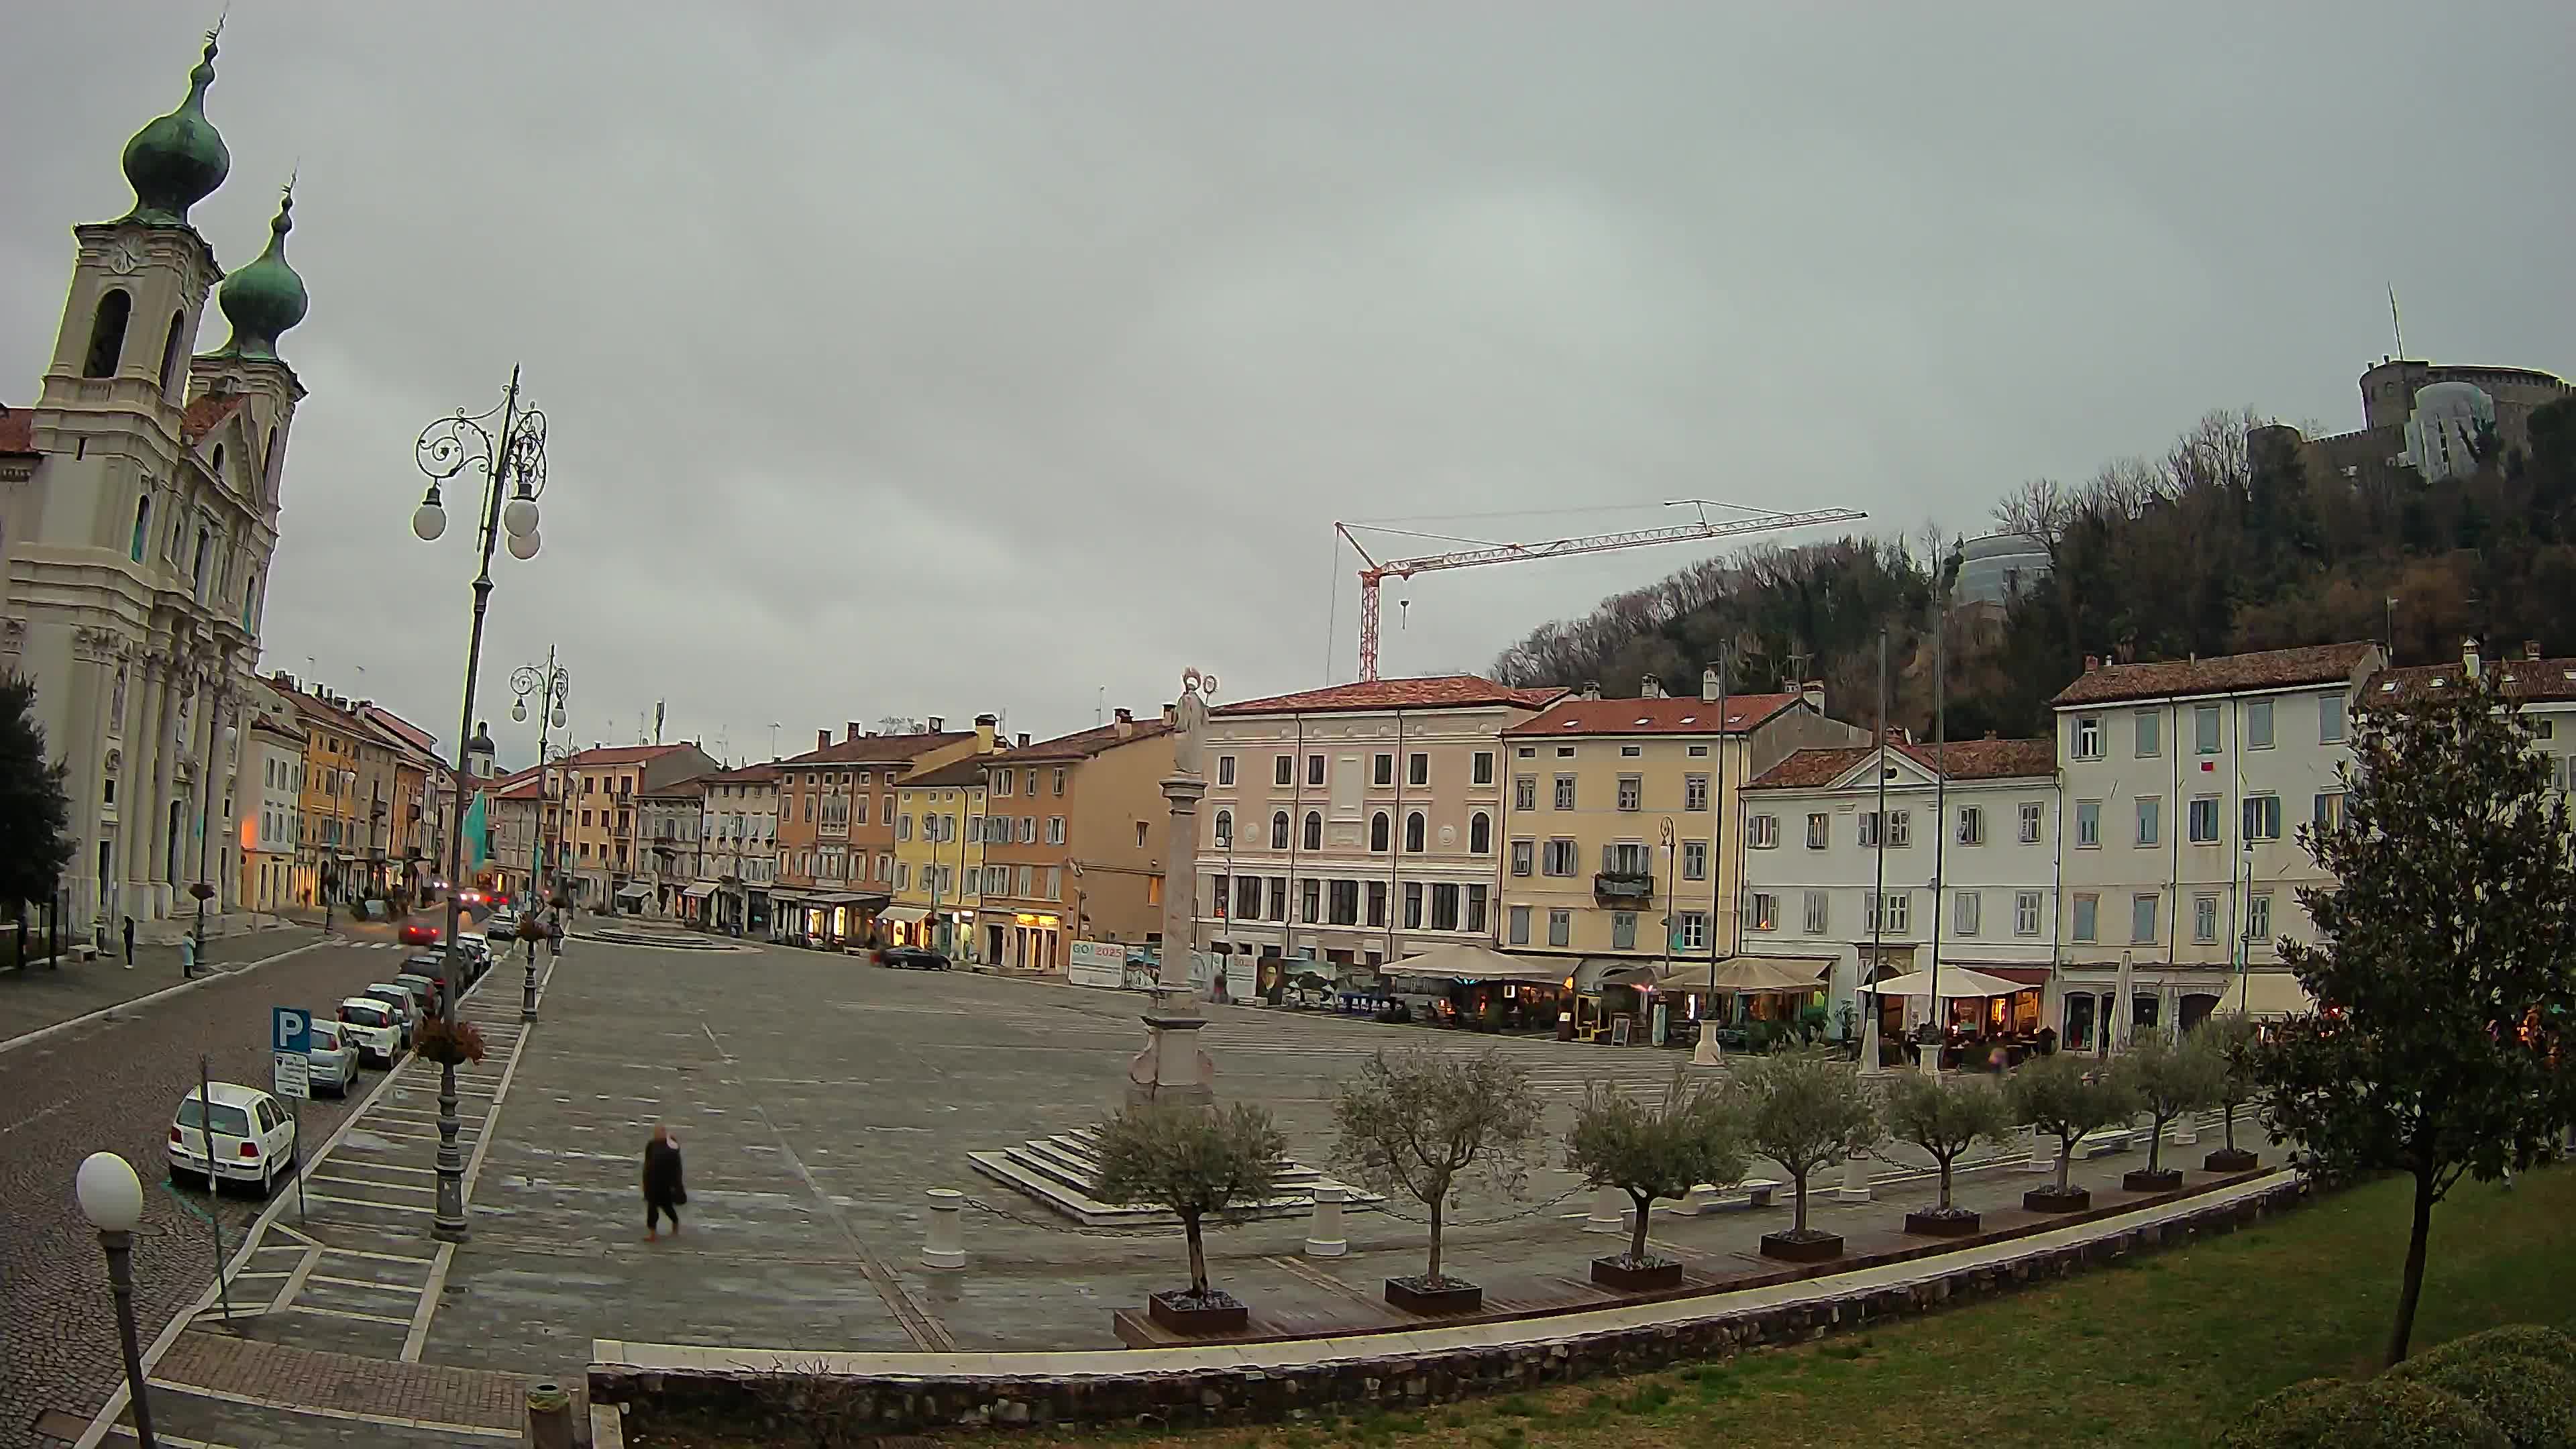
column 123, row 1431
column 377, row 1257
column 44, row 1033
column 294, row 1281
column 370, row 1182
column 391, row 1207
column 430, row 1294
column 318, row 1411
column 381, row 1287
column 344, row 1313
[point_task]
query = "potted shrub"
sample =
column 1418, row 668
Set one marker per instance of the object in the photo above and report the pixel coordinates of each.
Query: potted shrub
column 2168, row 1080
column 1651, row 1152
column 1945, row 1116
column 2234, row 1037
column 2056, row 1096
column 1420, row 1123
column 1199, row 1163
column 1807, row 1112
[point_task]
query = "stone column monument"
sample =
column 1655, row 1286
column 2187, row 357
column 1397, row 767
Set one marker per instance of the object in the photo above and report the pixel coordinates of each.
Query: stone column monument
column 1173, row 1068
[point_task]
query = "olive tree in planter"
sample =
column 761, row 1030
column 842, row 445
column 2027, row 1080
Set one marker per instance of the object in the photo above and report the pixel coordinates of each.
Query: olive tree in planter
column 1662, row 1150
column 2235, row 1038
column 1201, row 1163
column 2058, row 1097
column 1807, row 1111
column 2169, row 1080
column 1420, row 1123
column 1945, row 1116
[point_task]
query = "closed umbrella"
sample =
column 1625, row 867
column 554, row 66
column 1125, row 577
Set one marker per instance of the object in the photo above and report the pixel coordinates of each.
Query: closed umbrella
column 2121, row 1010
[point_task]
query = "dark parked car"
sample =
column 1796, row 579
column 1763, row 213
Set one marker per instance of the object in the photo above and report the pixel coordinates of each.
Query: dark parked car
column 419, row 933
column 920, row 958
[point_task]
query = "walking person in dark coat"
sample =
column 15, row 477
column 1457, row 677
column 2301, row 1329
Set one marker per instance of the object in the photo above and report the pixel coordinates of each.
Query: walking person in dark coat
column 663, row 1192
column 129, row 940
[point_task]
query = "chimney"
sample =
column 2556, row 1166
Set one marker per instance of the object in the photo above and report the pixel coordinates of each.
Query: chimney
column 985, row 727
column 822, row 739
column 2469, row 655
column 1592, row 689
column 1171, row 714
column 1708, row 686
column 1125, row 723
column 938, row 725
column 850, row 730
column 1813, row 692
column 1650, row 688
column 2092, row 662
column 1024, row 739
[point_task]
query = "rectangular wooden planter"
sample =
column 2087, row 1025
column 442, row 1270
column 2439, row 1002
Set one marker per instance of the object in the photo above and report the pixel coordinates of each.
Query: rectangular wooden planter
column 2162, row 1179
column 1802, row 1250
column 1653, row 1277
column 1937, row 1225
column 2050, row 1200
column 1229, row 1317
column 1456, row 1298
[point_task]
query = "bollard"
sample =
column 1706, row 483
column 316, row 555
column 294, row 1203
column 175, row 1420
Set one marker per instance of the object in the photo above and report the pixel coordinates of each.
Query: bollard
column 2186, row 1132
column 1610, row 1208
column 946, row 1245
column 1324, row 1238
column 2043, row 1154
column 549, row 1415
column 1855, row 1186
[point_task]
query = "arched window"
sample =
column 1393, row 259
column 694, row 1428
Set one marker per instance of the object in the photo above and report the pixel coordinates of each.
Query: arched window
column 1480, row 834
column 269, row 462
column 142, row 525
column 1225, row 827
column 170, row 351
column 1314, row 830
column 205, row 549
column 1378, row 831
column 1413, row 832
column 219, row 464
column 107, row 334
column 1279, row 831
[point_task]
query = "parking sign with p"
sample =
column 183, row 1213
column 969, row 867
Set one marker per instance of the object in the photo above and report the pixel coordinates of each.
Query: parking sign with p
column 290, row 1029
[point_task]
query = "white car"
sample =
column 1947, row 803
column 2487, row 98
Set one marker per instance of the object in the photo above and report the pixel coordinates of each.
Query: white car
column 330, row 1059
column 254, row 1139
column 371, row 1026
column 406, row 1010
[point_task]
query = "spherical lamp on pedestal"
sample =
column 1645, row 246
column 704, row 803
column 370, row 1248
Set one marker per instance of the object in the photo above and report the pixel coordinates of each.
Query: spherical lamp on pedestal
column 111, row 1197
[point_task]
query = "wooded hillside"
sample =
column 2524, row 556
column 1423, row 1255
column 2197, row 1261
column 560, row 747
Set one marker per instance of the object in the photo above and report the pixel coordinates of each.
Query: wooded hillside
column 2205, row 550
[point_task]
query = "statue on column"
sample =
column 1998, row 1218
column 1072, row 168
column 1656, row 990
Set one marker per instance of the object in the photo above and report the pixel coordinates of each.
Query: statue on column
column 1189, row 721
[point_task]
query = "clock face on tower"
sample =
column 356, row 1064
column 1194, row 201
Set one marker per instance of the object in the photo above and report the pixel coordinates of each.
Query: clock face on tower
column 125, row 256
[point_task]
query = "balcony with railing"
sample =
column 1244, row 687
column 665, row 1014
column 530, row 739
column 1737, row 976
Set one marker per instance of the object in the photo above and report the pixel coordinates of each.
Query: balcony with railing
column 1623, row 887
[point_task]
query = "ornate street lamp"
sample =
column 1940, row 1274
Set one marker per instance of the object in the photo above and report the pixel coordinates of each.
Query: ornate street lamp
column 551, row 686
column 513, row 464
column 111, row 1197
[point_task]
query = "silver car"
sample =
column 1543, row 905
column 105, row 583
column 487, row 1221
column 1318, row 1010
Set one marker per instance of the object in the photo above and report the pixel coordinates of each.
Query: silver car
column 330, row 1059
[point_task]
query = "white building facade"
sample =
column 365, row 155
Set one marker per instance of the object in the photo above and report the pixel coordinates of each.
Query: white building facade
column 2185, row 783
column 740, row 859
column 1341, row 824
column 1961, row 867
column 138, row 513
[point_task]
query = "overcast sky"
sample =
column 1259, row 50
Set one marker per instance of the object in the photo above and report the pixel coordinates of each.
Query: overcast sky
column 947, row 357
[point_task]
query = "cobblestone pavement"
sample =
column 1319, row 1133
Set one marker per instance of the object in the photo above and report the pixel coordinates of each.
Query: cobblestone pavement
column 112, row 1084
column 817, row 1098
column 40, row 996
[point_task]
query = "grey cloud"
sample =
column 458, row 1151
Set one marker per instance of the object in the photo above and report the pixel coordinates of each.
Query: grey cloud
column 931, row 358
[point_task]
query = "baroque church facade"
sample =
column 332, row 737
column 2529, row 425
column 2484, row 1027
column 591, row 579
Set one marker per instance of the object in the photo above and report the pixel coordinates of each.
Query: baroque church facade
column 138, row 516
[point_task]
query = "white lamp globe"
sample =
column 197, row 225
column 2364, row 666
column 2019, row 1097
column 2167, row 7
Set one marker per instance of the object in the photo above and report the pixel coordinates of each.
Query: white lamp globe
column 523, row 545
column 428, row 521
column 559, row 716
column 519, row 516
column 111, row 1197
column 519, row 711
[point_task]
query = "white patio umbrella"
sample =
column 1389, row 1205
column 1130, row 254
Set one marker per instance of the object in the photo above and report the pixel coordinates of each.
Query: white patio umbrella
column 1956, row 982
column 2123, row 1011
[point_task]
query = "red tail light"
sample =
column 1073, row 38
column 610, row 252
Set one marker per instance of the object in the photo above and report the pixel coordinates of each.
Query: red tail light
column 250, row 1149
column 175, row 1139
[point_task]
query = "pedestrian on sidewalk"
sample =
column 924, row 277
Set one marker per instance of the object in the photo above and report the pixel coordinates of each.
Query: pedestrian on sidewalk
column 187, row 955
column 129, row 943
column 663, row 1192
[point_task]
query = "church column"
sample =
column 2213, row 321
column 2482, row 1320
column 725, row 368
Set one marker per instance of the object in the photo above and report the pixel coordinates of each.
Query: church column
column 170, row 685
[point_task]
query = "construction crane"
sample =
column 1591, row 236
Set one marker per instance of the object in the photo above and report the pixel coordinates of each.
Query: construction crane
column 1751, row 520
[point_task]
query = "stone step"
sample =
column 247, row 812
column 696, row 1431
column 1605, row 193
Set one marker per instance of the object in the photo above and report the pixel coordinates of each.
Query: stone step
column 1079, row 1205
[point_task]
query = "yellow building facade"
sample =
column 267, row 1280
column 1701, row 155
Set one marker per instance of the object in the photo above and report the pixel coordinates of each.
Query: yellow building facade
column 938, row 859
column 1623, row 838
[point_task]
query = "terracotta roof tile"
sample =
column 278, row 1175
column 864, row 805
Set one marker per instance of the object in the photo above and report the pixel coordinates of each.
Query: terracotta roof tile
column 761, row 774
column 2224, row 674
column 17, row 430
column 2525, row 679
column 618, row 755
column 1653, row 716
column 1444, row 691
column 1967, row 759
column 870, row 749
column 1081, row 744
column 966, row 772
column 208, row 413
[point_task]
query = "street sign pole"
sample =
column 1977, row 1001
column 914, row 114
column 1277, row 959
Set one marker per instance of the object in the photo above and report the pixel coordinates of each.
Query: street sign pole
column 206, row 1138
column 290, row 1033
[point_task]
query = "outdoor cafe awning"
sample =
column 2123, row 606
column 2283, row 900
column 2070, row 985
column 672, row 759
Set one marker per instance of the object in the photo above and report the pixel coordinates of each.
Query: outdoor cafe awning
column 904, row 915
column 633, row 892
column 2267, row 994
column 700, row 891
column 1956, row 982
column 1469, row 962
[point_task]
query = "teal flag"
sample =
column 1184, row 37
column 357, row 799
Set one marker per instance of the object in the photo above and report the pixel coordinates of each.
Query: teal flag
column 477, row 833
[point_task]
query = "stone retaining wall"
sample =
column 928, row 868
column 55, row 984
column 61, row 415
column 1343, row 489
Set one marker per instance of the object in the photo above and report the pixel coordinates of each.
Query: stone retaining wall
column 787, row 1403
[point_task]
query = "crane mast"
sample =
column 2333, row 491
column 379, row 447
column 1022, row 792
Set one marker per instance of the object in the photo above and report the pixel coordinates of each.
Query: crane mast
column 1373, row 573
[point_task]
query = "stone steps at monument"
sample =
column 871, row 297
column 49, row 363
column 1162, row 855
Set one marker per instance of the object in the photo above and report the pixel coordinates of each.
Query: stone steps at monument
column 1059, row 1172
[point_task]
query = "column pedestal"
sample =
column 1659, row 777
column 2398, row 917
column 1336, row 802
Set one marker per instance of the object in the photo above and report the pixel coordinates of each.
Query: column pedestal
column 1174, row 1069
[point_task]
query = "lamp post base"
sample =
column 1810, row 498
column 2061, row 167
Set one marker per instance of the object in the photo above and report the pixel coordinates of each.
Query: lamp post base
column 119, row 1247
column 528, row 993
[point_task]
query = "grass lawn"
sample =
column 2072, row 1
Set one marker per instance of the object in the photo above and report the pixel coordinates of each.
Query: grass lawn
column 2165, row 1350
